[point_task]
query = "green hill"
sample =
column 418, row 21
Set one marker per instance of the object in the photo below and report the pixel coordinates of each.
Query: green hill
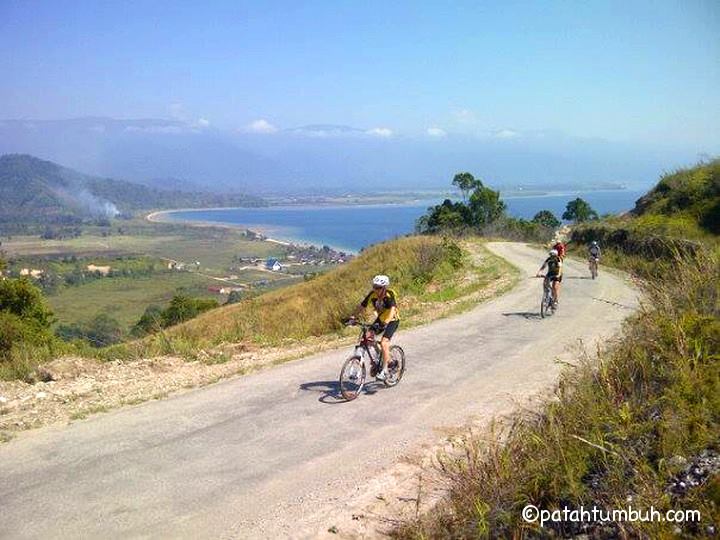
column 691, row 194
column 678, row 215
column 34, row 191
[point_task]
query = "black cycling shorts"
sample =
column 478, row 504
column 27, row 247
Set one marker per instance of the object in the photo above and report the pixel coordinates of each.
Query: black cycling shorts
column 555, row 277
column 388, row 329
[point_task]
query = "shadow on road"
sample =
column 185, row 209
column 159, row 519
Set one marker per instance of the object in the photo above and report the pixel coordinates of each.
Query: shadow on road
column 529, row 315
column 330, row 390
column 577, row 277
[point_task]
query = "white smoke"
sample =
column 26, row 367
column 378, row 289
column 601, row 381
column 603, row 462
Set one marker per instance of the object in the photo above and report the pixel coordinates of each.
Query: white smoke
column 95, row 206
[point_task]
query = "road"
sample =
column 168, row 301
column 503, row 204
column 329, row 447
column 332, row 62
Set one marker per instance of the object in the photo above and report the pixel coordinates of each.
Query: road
column 275, row 454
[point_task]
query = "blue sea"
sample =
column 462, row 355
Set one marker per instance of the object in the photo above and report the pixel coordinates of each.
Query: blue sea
column 354, row 227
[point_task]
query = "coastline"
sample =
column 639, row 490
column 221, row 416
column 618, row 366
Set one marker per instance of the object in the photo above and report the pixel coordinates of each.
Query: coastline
column 160, row 216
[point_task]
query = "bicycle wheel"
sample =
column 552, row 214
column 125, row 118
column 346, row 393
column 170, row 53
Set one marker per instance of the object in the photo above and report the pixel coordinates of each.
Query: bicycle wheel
column 546, row 304
column 352, row 377
column 396, row 366
column 593, row 269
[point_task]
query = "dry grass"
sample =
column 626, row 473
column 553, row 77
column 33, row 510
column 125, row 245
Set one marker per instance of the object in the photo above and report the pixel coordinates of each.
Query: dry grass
column 612, row 433
column 424, row 270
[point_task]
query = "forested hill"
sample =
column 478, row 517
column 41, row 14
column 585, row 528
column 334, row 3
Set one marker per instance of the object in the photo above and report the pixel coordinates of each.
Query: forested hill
column 41, row 192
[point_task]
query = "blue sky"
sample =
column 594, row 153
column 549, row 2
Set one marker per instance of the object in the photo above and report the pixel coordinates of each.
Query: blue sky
column 641, row 72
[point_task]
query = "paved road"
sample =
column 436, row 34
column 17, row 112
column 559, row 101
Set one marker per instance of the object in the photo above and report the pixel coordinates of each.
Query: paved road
column 271, row 454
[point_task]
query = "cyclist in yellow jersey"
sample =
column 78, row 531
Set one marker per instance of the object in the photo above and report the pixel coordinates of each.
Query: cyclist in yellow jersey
column 384, row 301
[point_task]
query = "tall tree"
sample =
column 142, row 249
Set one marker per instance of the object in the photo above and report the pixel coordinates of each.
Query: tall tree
column 486, row 206
column 466, row 183
column 579, row 211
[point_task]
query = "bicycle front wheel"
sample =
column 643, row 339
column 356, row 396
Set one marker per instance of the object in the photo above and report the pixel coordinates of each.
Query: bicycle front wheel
column 396, row 366
column 546, row 304
column 352, row 378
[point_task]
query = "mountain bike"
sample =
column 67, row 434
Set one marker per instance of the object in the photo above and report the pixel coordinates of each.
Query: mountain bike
column 548, row 305
column 593, row 262
column 368, row 357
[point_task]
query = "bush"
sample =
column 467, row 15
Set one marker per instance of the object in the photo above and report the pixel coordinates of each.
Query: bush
column 24, row 316
column 101, row 331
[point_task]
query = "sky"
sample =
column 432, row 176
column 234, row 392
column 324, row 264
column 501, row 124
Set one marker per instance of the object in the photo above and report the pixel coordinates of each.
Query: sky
column 646, row 72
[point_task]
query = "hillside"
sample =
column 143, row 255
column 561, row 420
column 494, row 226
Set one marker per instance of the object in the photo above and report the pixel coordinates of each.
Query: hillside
column 692, row 193
column 678, row 215
column 34, row 191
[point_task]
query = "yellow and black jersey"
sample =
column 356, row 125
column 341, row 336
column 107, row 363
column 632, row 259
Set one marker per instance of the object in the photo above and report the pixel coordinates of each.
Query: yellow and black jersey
column 554, row 265
column 383, row 306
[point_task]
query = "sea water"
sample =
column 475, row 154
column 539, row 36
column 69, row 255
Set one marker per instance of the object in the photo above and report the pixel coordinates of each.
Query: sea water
column 352, row 227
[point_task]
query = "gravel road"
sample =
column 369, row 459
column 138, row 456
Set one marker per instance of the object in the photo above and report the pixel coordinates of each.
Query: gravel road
column 276, row 454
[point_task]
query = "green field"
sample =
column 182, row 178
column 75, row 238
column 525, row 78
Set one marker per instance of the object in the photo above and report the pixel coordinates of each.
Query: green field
column 127, row 243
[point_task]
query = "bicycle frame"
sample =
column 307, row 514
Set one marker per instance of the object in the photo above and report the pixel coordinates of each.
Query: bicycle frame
column 368, row 340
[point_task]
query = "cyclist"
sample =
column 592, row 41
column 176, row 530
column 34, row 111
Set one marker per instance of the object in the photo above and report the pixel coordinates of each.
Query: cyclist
column 384, row 301
column 554, row 272
column 594, row 253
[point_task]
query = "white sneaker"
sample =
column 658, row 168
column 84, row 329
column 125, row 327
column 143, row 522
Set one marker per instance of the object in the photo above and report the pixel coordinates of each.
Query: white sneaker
column 381, row 376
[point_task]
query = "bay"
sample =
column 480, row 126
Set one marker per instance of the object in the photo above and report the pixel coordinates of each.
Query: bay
column 353, row 227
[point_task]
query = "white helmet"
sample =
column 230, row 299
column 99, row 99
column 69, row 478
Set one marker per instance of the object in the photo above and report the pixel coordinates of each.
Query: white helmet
column 381, row 281
column 553, row 252
column 594, row 242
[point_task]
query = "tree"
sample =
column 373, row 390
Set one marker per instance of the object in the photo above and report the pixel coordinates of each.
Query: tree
column 183, row 308
column 444, row 217
column 547, row 219
column 579, row 211
column 149, row 322
column 24, row 316
column 466, row 183
column 486, row 206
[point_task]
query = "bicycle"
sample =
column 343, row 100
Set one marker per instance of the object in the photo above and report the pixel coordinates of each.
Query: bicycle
column 593, row 262
column 368, row 352
column 548, row 305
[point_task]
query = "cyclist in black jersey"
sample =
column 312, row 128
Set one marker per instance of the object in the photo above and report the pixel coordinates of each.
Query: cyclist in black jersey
column 554, row 273
column 384, row 301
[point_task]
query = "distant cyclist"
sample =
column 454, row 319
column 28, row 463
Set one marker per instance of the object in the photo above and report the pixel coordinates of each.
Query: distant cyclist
column 554, row 272
column 384, row 301
column 594, row 254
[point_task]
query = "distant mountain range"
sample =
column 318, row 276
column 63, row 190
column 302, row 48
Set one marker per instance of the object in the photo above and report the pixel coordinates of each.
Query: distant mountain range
column 324, row 159
column 41, row 192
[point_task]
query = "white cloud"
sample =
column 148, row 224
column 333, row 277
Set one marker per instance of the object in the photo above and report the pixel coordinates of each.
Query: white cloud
column 436, row 132
column 203, row 122
column 506, row 134
column 380, row 132
column 260, row 126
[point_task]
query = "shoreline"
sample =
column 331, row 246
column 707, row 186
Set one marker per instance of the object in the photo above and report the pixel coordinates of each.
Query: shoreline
column 160, row 216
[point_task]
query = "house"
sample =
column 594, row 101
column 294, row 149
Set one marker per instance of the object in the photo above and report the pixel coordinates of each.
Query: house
column 273, row 264
column 104, row 270
column 32, row 272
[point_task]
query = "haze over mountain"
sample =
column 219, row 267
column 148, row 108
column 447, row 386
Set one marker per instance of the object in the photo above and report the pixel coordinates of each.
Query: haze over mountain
column 264, row 159
column 35, row 191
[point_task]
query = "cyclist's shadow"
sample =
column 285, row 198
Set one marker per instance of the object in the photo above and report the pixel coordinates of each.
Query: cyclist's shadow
column 330, row 390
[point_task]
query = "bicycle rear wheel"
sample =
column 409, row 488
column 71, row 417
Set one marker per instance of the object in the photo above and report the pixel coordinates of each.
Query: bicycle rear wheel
column 396, row 366
column 352, row 377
